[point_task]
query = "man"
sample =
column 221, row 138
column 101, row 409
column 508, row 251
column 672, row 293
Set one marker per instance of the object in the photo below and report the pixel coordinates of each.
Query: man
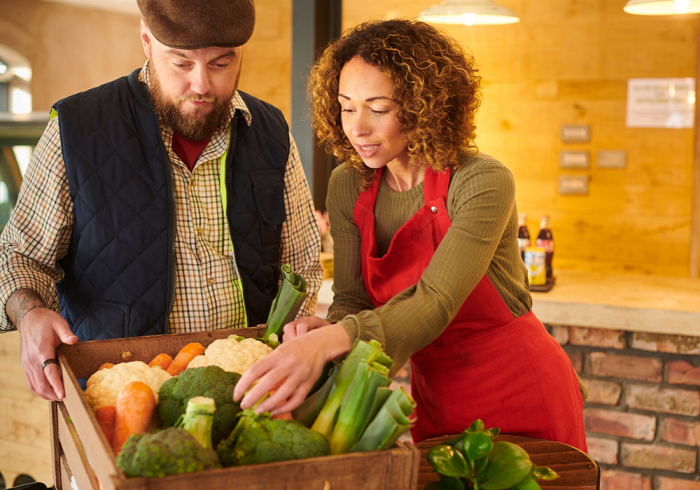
column 162, row 202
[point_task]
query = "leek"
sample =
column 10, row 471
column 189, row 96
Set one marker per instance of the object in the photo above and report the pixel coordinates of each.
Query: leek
column 199, row 418
column 369, row 351
column 309, row 409
column 391, row 421
column 357, row 404
column 286, row 305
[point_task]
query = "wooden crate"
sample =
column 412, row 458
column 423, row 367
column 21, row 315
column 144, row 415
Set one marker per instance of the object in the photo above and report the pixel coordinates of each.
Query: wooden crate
column 576, row 469
column 81, row 450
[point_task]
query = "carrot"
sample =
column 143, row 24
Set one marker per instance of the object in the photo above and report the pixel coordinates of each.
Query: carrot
column 106, row 417
column 183, row 358
column 286, row 415
column 135, row 404
column 162, row 360
column 106, row 365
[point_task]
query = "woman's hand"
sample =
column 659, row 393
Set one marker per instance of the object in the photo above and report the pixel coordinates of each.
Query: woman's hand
column 298, row 363
column 303, row 325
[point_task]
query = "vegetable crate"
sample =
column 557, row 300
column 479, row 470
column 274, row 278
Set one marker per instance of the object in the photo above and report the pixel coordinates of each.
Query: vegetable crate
column 81, row 450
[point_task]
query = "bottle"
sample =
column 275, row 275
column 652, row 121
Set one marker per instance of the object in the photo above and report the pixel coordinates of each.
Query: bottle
column 546, row 241
column 523, row 234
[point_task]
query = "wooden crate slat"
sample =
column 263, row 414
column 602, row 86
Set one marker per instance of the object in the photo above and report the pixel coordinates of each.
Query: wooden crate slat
column 74, row 453
column 87, row 427
column 55, row 446
column 65, row 473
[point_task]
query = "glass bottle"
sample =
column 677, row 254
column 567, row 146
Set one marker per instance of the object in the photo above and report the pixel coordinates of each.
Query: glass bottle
column 523, row 234
column 546, row 241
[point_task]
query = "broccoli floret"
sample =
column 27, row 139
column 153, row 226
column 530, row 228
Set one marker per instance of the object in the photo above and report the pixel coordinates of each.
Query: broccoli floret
column 259, row 439
column 209, row 381
column 168, row 452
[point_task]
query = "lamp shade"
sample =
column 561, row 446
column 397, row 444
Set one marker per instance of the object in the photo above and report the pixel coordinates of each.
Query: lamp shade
column 662, row 7
column 469, row 12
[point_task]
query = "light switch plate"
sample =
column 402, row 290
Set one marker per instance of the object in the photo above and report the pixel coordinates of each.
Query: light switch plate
column 576, row 133
column 611, row 159
column 575, row 159
column 573, row 185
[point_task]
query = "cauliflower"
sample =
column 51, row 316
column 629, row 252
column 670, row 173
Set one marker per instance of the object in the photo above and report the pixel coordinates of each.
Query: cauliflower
column 103, row 386
column 232, row 355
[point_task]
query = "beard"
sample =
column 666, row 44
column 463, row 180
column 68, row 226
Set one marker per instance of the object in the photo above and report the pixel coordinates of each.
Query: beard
column 198, row 125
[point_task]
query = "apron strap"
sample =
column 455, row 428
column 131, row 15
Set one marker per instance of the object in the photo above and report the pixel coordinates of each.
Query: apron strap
column 365, row 203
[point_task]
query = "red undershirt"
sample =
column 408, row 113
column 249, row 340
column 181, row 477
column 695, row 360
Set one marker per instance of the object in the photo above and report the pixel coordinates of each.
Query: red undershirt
column 187, row 150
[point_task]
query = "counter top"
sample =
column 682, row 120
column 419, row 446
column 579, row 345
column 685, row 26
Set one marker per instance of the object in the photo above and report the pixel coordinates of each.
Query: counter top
column 656, row 304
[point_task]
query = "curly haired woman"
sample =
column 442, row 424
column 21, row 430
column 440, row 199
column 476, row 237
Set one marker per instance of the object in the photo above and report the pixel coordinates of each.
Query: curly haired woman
column 426, row 257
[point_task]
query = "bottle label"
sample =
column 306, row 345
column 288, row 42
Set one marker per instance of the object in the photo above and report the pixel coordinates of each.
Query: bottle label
column 547, row 245
column 535, row 263
column 524, row 243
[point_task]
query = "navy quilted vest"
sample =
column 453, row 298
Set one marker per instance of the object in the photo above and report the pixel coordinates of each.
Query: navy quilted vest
column 120, row 266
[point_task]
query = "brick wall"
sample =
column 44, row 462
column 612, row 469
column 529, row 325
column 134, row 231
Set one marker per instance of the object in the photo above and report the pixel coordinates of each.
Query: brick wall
column 642, row 414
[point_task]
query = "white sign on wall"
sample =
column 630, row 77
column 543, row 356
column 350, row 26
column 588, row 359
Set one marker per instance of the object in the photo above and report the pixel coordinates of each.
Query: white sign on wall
column 660, row 102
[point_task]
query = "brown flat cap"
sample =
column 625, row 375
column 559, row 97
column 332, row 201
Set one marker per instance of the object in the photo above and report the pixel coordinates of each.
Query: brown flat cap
column 190, row 24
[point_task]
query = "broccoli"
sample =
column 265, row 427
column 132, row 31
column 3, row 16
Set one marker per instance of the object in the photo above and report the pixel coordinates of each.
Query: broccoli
column 210, row 381
column 259, row 439
column 168, row 452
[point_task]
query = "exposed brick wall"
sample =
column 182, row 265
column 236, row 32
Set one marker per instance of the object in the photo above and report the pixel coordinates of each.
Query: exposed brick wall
column 643, row 411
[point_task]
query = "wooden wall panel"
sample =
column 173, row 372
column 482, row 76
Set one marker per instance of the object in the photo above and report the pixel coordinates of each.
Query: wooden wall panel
column 568, row 62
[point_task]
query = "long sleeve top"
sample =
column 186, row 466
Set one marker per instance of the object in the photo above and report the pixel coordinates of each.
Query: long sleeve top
column 481, row 240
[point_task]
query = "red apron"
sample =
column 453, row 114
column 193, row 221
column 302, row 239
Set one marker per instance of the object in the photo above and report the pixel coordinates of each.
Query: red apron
column 485, row 365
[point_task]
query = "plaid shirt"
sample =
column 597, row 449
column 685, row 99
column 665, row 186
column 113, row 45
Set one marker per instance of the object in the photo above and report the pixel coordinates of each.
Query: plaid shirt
column 207, row 293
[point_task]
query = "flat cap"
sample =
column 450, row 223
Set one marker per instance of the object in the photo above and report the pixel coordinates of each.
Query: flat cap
column 188, row 24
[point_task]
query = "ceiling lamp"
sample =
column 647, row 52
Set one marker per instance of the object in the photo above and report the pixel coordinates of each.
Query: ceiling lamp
column 662, row 7
column 470, row 12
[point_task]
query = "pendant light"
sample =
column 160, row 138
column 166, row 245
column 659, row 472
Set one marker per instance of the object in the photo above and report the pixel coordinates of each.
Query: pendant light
column 662, row 7
column 470, row 12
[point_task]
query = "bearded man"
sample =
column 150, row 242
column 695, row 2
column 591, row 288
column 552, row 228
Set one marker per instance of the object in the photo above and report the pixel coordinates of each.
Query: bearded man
column 162, row 202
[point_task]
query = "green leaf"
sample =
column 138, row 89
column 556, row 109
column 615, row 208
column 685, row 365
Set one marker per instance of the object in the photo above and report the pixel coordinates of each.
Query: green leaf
column 480, row 465
column 493, row 432
column 527, row 484
column 508, row 464
column 451, row 484
column 543, row 473
column 477, row 426
column 477, row 445
column 446, row 461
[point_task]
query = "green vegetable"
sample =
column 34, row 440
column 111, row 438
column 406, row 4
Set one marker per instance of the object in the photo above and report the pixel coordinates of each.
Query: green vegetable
column 474, row 460
column 389, row 423
column 369, row 351
column 356, row 407
column 209, row 381
column 286, row 305
column 168, row 452
column 309, row 409
column 198, row 419
column 259, row 439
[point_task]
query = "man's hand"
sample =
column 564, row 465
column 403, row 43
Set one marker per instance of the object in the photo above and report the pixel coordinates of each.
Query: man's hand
column 298, row 363
column 303, row 325
column 41, row 331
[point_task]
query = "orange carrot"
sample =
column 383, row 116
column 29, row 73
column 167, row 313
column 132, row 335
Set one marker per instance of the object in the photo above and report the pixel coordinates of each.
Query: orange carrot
column 183, row 358
column 135, row 404
column 106, row 416
column 162, row 360
column 286, row 415
column 106, row 365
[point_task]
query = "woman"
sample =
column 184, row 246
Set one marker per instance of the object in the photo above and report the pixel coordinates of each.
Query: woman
column 426, row 258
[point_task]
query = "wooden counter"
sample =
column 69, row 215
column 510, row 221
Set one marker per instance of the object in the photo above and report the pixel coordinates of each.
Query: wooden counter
column 656, row 304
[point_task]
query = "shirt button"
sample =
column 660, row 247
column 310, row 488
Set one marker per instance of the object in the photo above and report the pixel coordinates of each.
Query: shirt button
column 211, row 280
column 434, row 209
column 200, row 231
column 192, row 183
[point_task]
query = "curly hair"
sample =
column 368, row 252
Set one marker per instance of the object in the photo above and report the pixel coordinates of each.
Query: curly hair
column 437, row 92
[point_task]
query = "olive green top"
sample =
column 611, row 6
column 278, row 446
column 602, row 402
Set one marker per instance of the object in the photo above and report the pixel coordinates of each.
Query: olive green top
column 481, row 240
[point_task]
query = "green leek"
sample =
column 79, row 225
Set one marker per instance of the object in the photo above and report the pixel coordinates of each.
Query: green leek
column 286, row 305
column 369, row 351
column 389, row 424
column 357, row 404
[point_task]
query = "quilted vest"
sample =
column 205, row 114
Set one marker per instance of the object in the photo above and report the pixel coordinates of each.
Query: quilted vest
column 120, row 266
